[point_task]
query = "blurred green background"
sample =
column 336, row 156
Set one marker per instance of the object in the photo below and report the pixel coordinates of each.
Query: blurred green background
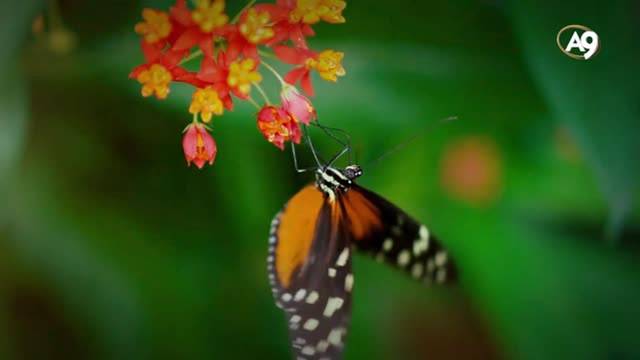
column 111, row 248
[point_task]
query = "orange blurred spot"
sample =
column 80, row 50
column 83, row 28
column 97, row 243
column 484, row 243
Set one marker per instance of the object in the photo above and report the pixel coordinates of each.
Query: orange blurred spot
column 565, row 145
column 472, row 170
column 37, row 26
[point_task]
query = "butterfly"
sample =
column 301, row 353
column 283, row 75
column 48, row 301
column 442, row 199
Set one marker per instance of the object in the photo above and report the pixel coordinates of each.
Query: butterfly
column 311, row 244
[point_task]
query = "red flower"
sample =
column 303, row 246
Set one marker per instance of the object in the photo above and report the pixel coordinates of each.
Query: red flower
column 201, row 26
column 297, row 105
column 239, row 45
column 278, row 126
column 214, row 73
column 198, row 145
column 301, row 73
column 328, row 64
column 159, row 70
column 283, row 26
column 159, row 28
column 253, row 29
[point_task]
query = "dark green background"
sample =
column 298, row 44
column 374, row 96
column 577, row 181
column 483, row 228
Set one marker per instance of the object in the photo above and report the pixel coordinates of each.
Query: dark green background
column 111, row 248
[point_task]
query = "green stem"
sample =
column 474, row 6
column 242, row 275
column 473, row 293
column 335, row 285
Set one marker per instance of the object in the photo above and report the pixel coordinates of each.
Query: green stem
column 250, row 99
column 270, row 68
column 235, row 18
column 192, row 56
column 264, row 94
column 266, row 54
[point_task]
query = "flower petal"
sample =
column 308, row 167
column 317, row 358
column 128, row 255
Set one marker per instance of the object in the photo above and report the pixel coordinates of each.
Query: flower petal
column 181, row 13
column 297, row 37
column 151, row 52
column 306, row 85
column 295, row 75
column 289, row 55
column 206, row 45
column 137, row 70
column 172, row 58
column 190, row 143
column 209, row 145
column 187, row 40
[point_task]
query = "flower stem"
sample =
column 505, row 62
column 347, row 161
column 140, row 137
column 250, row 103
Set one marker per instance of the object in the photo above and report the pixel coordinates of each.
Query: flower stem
column 264, row 94
column 266, row 54
column 192, row 56
column 250, row 99
column 235, row 18
column 195, row 117
column 270, row 68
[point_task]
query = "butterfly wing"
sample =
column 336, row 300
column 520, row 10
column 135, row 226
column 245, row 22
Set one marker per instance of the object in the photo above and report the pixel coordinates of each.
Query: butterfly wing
column 392, row 236
column 309, row 267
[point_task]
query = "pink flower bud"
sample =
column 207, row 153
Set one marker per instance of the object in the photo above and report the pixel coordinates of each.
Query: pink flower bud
column 297, row 105
column 198, row 145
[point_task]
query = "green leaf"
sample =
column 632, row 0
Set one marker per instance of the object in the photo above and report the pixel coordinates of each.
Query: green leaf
column 596, row 99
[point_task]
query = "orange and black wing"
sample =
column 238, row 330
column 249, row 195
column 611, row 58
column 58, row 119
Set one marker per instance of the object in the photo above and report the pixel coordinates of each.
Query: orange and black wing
column 309, row 266
column 384, row 231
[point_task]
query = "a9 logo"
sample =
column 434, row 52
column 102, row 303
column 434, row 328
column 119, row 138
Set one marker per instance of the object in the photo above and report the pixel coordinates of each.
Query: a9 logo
column 583, row 44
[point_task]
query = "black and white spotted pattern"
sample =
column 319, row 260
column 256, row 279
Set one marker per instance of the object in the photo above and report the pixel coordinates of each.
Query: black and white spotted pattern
column 317, row 302
column 407, row 245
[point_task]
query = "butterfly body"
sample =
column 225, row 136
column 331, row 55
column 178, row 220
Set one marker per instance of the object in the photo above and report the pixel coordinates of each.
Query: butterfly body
column 312, row 240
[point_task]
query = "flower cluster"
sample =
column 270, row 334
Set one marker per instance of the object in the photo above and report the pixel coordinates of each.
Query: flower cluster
column 231, row 54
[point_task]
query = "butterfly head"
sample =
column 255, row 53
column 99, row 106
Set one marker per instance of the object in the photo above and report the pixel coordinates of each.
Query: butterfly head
column 331, row 180
column 352, row 171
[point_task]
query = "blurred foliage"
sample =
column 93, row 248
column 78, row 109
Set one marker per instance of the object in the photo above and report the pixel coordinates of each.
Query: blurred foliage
column 110, row 247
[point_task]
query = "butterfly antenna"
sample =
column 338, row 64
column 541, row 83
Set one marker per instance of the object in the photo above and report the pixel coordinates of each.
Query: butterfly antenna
column 411, row 139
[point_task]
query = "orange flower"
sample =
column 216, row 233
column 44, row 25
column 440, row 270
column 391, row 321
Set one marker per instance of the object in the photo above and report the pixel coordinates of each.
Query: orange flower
column 328, row 63
column 278, row 126
column 209, row 15
column 155, row 27
column 292, row 19
column 312, row 11
column 202, row 26
column 206, row 102
column 255, row 27
column 155, row 80
column 160, row 69
column 242, row 74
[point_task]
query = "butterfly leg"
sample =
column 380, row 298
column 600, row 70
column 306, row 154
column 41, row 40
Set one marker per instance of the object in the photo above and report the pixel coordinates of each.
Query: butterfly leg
column 346, row 143
column 295, row 161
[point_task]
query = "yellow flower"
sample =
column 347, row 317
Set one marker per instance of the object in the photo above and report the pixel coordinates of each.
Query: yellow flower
column 242, row 73
column 155, row 27
column 328, row 64
column 312, row 11
column 155, row 80
column 206, row 102
column 255, row 27
column 210, row 15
